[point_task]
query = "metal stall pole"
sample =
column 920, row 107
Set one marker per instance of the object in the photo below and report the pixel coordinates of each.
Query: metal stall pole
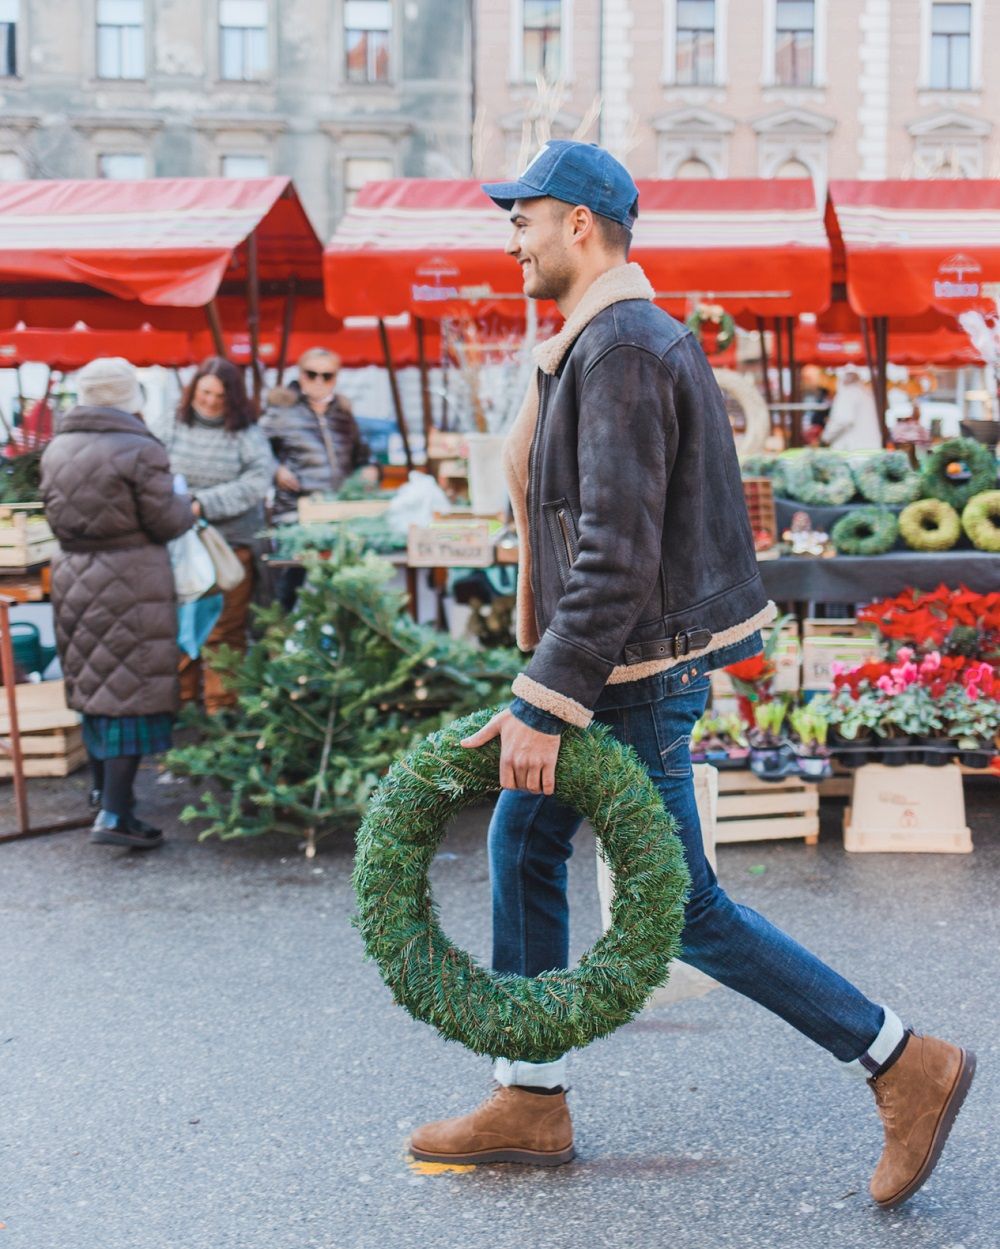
column 397, row 401
column 215, row 325
column 253, row 316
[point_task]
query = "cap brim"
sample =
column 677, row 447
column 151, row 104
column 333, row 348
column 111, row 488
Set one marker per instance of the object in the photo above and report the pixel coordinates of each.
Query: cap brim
column 506, row 194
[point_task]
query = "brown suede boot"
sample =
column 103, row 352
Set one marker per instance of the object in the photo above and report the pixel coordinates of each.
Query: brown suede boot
column 918, row 1099
column 512, row 1125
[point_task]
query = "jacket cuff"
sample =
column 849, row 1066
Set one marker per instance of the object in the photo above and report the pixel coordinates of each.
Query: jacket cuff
column 535, row 718
column 551, row 701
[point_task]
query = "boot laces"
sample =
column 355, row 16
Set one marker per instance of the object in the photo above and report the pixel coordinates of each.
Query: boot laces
column 884, row 1102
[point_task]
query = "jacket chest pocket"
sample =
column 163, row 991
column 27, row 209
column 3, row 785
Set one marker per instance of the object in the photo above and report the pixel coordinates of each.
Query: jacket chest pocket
column 563, row 533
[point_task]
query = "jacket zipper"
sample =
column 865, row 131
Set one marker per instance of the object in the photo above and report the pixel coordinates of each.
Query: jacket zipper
column 534, row 490
column 567, row 543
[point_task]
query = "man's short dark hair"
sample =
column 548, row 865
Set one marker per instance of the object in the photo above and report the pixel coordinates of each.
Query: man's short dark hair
column 615, row 236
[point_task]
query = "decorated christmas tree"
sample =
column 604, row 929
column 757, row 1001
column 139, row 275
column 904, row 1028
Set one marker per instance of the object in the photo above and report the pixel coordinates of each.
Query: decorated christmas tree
column 327, row 699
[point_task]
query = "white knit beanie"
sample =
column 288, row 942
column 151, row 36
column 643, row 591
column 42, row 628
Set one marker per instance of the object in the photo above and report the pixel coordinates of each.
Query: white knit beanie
column 109, row 383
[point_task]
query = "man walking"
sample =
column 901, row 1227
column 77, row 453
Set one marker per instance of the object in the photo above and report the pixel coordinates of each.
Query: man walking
column 638, row 576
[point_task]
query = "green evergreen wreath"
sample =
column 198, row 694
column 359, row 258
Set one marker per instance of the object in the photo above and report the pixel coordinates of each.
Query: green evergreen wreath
column 507, row 1016
column 977, row 459
column 929, row 525
column 981, row 520
column 887, row 477
column 865, row 531
column 820, row 479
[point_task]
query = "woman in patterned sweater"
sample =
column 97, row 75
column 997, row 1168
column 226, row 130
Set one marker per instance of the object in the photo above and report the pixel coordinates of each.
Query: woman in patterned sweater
column 212, row 439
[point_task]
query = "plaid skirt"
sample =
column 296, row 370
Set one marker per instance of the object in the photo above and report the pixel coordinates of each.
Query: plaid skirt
column 111, row 737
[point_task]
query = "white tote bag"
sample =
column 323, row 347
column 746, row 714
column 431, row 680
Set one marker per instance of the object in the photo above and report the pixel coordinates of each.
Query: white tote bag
column 194, row 572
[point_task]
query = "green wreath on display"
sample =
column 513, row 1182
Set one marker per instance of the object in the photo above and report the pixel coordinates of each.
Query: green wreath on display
column 957, row 470
column 930, row 525
column 888, row 478
column 865, row 531
column 820, row 479
column 981, row 520
column 507, row 1016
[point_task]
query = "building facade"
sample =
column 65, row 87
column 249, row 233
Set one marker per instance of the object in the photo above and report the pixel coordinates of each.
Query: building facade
column 744, row 88
column 333, row 93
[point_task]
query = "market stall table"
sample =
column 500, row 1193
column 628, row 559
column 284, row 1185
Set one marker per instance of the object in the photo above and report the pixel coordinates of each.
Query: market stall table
column 860, row 578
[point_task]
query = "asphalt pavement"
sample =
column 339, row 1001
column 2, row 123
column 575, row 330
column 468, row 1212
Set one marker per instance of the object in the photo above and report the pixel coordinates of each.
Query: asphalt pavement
column 194, row 1055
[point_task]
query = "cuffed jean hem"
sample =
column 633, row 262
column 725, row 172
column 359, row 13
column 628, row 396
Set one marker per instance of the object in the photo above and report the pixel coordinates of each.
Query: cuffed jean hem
column 889, row 1038
column 531, row 1075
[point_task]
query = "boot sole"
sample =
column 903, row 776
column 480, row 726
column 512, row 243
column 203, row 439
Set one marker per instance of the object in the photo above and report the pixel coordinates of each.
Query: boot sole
column 945, row 1123
column 527, row 1157
column 109, row 837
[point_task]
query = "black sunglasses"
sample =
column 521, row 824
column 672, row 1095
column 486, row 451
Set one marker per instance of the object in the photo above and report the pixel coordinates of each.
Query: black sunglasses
column 314, row 376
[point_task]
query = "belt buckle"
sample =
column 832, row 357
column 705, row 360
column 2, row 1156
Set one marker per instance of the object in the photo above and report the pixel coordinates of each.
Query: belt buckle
column 682, row 645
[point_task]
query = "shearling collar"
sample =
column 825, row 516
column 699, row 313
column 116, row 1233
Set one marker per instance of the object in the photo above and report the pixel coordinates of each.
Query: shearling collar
column 623, row 282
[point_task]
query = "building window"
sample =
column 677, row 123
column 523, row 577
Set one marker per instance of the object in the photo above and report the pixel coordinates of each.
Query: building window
column 245, row 165
column 951, row 47
column 121, row 166
column 693, row 167
column 795, row 24
column 542, row 46
column 8, row 38
column 243, row 52
column 695, row 42
column 367, row 31
column 121, row 51
column 361, row 169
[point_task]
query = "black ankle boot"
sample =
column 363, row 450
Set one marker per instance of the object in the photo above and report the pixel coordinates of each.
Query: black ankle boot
column 123, row 830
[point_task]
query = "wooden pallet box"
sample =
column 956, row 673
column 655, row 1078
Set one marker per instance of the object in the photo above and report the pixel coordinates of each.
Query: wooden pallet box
column 318, row 511
column 754, row 810
column 51, row 737
column 25, row 536
column 911, row 809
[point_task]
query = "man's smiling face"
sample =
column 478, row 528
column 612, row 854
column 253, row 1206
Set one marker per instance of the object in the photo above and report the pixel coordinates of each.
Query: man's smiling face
column 540, row 245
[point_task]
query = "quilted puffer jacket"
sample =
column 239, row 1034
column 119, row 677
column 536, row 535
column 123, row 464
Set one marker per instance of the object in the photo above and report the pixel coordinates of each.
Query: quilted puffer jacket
column 108, row 493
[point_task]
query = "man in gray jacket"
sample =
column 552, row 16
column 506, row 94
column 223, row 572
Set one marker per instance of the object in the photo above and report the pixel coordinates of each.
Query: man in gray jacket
column 313, row 433
column 638, row 576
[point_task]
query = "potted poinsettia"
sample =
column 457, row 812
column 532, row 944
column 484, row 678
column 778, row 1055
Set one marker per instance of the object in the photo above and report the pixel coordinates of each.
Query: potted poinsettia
column 810, row 725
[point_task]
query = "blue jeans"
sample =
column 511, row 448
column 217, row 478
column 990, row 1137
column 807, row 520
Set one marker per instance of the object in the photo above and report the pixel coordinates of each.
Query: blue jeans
column 531, row 839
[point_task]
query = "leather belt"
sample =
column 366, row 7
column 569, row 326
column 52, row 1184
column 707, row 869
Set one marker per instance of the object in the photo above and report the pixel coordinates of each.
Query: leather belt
column 674, row 647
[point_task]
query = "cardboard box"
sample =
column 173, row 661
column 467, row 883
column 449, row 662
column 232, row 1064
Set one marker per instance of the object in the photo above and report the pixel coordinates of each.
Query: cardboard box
column 911, row 809
column 820, row 653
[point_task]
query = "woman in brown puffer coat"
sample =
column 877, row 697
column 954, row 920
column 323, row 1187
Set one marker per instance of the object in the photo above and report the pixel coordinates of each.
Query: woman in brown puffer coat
column 109, row 497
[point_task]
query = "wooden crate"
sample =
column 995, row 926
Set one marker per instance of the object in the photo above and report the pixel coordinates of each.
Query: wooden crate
column 51, row 737
column 754, row 810
column 911, row 809
column 25, row 536
column 322, row 511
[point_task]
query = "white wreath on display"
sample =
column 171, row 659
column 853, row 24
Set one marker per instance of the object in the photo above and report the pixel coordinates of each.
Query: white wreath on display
column 742, row 389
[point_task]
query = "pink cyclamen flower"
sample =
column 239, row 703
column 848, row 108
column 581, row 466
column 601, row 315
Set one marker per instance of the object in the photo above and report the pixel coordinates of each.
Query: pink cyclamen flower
column 886, row 684
column 931, row 662
column 837, row 669
column 905, row 674
column 904, row 654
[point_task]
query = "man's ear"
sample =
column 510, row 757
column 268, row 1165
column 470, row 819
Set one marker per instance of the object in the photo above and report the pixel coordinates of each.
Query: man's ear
column 580, row 221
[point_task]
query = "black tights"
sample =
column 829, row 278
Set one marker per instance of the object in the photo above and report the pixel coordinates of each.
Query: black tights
column 114, row 778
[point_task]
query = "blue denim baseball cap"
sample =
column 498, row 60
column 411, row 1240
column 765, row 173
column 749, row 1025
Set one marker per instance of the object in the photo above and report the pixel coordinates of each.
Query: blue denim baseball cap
column 578, row 173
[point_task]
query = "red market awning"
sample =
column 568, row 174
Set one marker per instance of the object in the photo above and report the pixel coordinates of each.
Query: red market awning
column 907, row 248
column 831, row 349
column 436, row 249
column 159, row 242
